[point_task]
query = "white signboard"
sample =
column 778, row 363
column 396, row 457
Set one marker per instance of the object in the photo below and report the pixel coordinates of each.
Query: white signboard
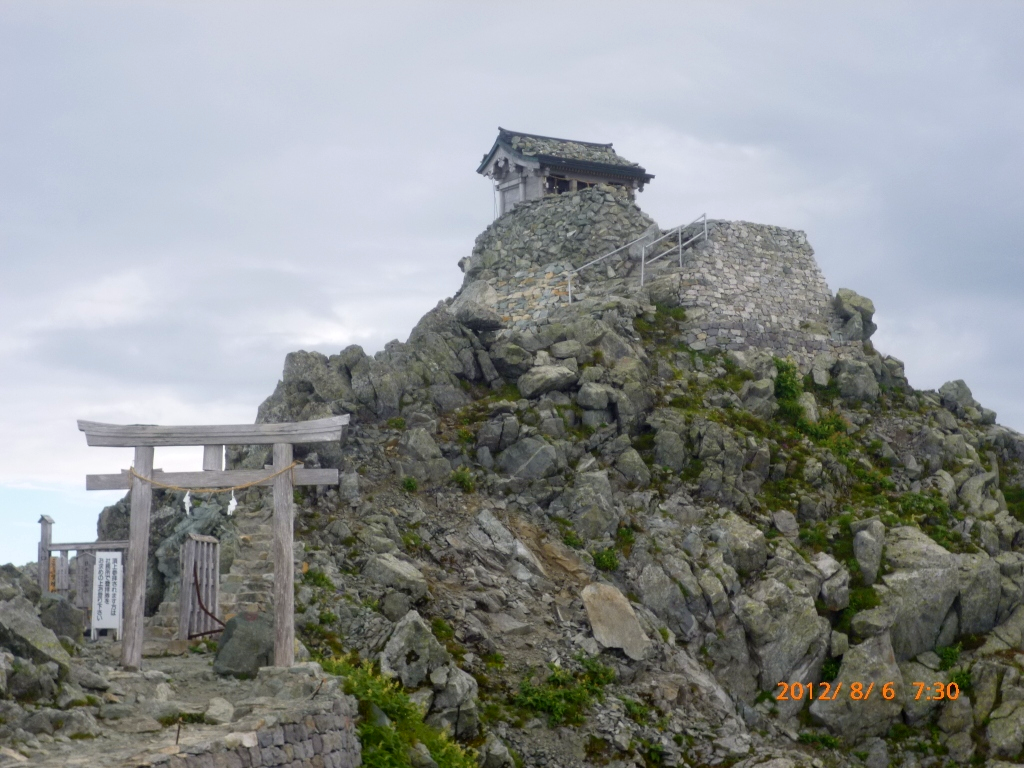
column 106, row 592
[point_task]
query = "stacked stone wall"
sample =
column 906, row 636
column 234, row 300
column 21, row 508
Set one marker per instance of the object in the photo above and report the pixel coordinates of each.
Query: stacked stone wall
column 569, row 228
column 756, row 285
column 322, row 735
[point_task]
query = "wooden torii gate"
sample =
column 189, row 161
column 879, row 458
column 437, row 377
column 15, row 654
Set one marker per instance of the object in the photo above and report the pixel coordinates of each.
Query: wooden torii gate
column 284, row 474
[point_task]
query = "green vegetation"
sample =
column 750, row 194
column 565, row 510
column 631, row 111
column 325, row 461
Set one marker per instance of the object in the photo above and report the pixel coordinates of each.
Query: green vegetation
column 606, row 560
column 963, row 680
column 819, row 740
column 493, row 660
column 386, row 743
column 636, row 711
column 442, row 629
column 564, row 695
column 409, row 484
column 317, row 578
column 396, row 423
column 466, row 436
column 949, row 656
column 830, row 670
column 463, row 478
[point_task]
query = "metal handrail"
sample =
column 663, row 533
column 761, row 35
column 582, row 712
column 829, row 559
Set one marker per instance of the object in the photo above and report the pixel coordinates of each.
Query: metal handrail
column 678, row 232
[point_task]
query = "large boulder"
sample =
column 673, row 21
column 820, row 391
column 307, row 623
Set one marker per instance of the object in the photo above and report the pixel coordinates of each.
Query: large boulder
column 478, row 317
column 787, row 636
column 924, row 581
column 665, row 599
column 529, row 459
column 591, row 505
column 545, row 378
column 455, row 702
column 412, row 652
column 758, row 397
column 858, row 312
column 614, row 622
column 851, row 719
column 23, row 633
column 246, row 645
column 745, row 544
column 856, row 380
column 62, row 617
column 388, row 570
column 868, row 537
column 980, row 589
column 1005, row 730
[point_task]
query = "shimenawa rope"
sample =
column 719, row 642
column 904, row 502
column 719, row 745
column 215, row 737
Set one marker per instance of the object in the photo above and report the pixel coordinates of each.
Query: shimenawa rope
column 133, row 473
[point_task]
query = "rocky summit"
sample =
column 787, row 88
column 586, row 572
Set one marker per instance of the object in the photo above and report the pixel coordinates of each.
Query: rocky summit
column 699, row 521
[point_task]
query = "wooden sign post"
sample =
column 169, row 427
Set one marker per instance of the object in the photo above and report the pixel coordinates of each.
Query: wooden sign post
column 283, row 474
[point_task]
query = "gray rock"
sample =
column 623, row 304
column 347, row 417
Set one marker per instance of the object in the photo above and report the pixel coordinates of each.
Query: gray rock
column 593, row 397
column 1005, row 730
column 529, row 459
column 786, row 524
column 872, row 660
column 810, row 406
column 412, row 652
column 478, row 292
column 856, row 380
column 957, row 397
column 745, row 543
column 545, row 378
column 867, row 549
column 494, row 754
column 758, row 397
column 246, row 645
column 663, row 596
column 62, row 617
column 478, row 317
column 835, row 591
column 417, row 444
column 591, row 505
column 925, row 582
column 875, row 621
column 975, row 490
column 633, row 469
column 395, row 605
column 956, row 715
column 455, row 702
column 511, row 360
column 670, row 450
column 979, row 583
column 219, row 711
column 852, row 306
column 23, row 633
column 788, row 637
column 614, row 622
column 392, row 572
column 918, row 711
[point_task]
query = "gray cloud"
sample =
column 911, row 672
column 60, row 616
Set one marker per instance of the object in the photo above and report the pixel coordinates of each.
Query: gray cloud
column 190, row 191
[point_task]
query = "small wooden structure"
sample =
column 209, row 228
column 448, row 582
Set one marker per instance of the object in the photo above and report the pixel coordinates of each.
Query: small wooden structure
column 283, row 476
column 200, row 587
column 526, row 166
column 54, row 572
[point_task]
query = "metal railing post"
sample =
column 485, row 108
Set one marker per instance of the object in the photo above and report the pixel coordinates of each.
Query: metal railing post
column 680, row 233
column 569, row 281
column 643, row 261
column 705, row 217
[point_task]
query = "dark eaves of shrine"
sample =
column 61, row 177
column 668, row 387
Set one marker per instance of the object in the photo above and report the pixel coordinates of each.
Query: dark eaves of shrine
column 623, row 171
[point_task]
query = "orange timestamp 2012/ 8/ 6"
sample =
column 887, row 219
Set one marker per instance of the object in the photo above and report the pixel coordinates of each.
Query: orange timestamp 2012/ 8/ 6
column 862, row 691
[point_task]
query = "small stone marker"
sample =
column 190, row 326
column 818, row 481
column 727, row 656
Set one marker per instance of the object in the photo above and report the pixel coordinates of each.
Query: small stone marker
column 614, row 623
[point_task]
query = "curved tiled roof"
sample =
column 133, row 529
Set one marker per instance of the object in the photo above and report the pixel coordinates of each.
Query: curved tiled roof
column 566, row 153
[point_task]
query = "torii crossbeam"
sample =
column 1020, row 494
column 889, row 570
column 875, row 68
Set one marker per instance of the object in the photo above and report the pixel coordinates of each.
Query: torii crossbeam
column 283, row 475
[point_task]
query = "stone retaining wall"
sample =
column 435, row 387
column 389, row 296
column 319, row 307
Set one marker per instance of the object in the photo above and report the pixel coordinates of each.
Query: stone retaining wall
column 756, row 285
column 319, row 735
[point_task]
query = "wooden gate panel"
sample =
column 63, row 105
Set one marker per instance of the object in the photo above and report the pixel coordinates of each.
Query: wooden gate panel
column 200, row 559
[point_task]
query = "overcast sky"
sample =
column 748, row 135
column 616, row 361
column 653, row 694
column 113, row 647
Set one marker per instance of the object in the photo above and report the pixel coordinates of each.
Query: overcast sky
column 188, row 191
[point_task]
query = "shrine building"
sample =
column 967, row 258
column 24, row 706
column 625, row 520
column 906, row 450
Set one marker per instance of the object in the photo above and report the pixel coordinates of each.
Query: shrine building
column 528, row 167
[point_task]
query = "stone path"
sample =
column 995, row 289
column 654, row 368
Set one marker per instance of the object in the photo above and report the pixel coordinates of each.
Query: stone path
column 247, row 587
